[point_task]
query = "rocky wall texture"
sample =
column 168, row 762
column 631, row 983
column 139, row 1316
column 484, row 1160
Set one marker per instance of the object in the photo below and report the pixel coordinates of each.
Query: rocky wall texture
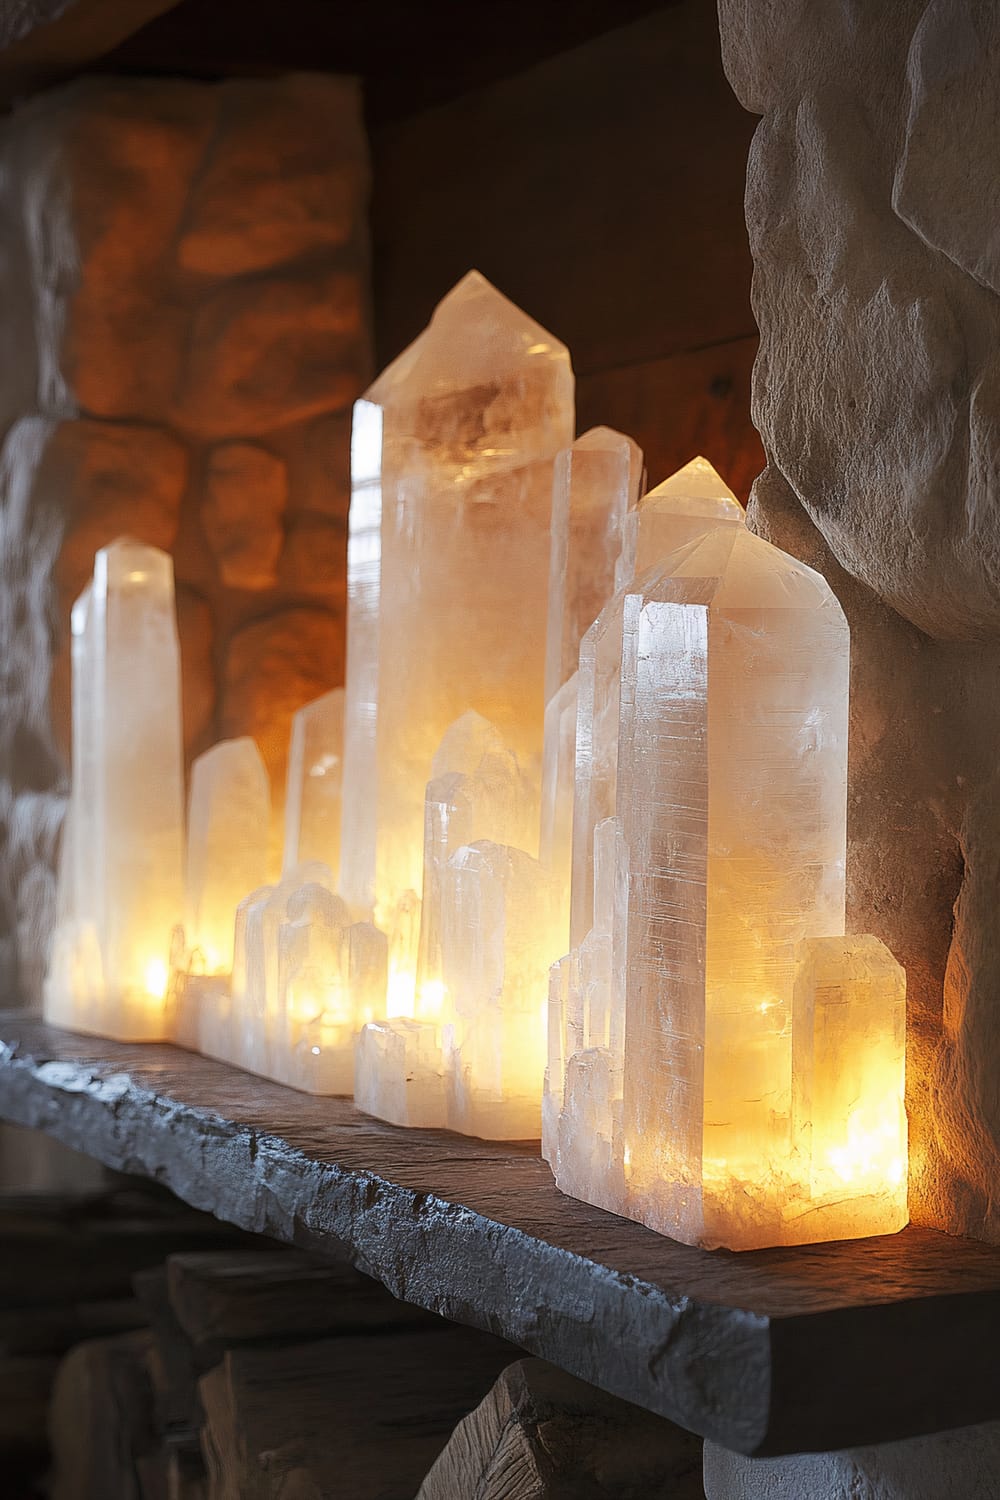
column 873, row 200
column 183, row 328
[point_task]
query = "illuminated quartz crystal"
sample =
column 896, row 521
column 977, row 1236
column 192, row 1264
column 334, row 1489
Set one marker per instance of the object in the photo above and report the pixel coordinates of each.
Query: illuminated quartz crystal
column 313, row 794
column 256, row 1038
column 400, row 1073
column 123, row 880
column 229, row 814
column 596, row 483
column 500, row 930
column 555, row 845
column 467, row 799
column 305, row 979
column 448, row 561
column 848, row 1073
column 714, row 759
column 478, row 792
column 685, row 506
column 331, row 980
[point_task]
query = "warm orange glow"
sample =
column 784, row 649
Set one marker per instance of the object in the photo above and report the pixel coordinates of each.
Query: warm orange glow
column 401, row 994
column 155, row 978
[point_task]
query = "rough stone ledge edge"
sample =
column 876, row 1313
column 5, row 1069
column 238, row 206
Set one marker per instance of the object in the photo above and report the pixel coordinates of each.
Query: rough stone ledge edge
column 705, row 1367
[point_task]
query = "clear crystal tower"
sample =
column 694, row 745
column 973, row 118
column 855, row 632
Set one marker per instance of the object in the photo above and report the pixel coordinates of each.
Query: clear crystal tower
column 122, row 872
column 315, row 783
column 711, row 782
column 229, row 812
column 448, row 558
column 595, row 485
column 595, row 490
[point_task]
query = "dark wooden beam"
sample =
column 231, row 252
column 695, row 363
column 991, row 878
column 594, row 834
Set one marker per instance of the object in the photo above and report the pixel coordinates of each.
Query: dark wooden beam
column 778, row 1351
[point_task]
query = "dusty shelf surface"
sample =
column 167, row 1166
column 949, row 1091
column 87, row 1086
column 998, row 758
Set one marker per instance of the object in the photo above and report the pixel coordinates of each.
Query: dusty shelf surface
column 777, row 1351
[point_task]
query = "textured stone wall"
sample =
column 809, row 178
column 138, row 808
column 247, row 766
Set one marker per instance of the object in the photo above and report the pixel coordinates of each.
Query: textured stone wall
column 183, row 328
column 873, row 201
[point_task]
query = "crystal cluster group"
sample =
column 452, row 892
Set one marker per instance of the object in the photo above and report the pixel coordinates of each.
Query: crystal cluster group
column 566, row 853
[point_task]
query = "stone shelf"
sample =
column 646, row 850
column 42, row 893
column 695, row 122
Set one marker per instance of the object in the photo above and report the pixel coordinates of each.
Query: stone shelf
column 777, row 1351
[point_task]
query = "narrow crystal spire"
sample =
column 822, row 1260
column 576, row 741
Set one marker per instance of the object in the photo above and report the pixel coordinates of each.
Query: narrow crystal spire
column 110, row 964
column 595, row 485
column 689, row 504
column 313, row 795
column 229, row 814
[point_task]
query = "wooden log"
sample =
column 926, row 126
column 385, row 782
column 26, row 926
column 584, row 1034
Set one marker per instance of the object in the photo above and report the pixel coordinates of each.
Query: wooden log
column 101, row 1420
column 38, row 1331
column 539, row 1434
column 229, row 1298
column 25, row 1383
column 174, row 1369
column 58, row 1250
column 362, row 1417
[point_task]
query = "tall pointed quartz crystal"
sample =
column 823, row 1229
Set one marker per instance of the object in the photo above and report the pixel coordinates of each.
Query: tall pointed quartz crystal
column 733, row 811
column 718, row 901
column 689, row 504
column 109, row 972
column 229, row 814
column 596, row 483
column 313, row 796
column 448, row 556
column 595, row 490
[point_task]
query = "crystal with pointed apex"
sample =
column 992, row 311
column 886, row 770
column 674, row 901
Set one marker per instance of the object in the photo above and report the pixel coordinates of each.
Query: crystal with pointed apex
column 124, row 883
column 693, row 500
column 452, row 459
column 596, row 483
column 848, row 1067
column 691, row 503
column 500, row 930
column 723, row 850
column 313, row 794
column 229, row 815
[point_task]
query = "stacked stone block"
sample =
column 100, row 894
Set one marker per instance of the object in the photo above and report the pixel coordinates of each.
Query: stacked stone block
column 183, row 299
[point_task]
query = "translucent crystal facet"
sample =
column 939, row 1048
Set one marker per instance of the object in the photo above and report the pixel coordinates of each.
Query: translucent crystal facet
column 596, row 483
column 315, row 773
column 689, row 504
column 500, row 931
column 711, row 794
column 229, row 813
column 448, row 557
column 124, row 881
column 555, row 845
column 848, row 1071
column 478, row 793
column 331, row 980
